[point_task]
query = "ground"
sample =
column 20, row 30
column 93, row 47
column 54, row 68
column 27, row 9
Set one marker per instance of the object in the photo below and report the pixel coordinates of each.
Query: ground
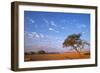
column 61, row 56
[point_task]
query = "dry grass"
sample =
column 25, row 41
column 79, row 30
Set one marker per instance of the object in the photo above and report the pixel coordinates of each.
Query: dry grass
column 64, row 56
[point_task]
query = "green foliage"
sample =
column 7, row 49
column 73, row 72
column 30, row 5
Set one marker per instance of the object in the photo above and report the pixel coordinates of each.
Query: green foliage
column 71, row 40
column 74, row 41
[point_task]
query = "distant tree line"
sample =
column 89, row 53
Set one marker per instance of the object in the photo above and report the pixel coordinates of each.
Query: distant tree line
column 32, row 52
column 40, row 52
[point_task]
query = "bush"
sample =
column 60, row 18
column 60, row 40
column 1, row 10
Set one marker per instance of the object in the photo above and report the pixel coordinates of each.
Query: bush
column 29, row 53
column 41, row 52
column 26, row 53
column 32, row 52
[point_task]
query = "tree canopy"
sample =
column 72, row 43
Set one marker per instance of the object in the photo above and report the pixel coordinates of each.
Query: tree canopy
column 75, row 42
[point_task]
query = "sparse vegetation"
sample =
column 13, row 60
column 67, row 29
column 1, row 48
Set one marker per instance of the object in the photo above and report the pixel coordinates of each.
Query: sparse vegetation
column 41, row 52
column 32, row 52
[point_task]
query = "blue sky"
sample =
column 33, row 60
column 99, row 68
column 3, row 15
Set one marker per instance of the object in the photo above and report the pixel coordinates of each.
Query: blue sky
column 47, row 30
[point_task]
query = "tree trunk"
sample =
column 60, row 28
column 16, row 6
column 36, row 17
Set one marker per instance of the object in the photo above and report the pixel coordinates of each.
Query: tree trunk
column 75, row 48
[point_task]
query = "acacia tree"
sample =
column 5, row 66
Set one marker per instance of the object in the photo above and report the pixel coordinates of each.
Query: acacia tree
column 75, row 42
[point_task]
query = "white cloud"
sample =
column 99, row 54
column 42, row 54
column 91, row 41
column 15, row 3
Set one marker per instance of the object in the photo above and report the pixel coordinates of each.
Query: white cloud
column 81, row 26
column 83, row 32
column 53, row 23
column 84, row 26
column 37, row 36
column 62, row 27
column 32, row 21
column 51, row 29
column 41, row 35
column 45, row 20
column 34, row 35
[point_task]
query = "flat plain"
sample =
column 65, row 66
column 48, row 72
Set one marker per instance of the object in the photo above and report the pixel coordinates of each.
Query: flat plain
column 58, row 56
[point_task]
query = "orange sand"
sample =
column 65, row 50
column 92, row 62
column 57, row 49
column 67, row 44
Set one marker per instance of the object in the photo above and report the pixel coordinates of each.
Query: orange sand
column 64, row 56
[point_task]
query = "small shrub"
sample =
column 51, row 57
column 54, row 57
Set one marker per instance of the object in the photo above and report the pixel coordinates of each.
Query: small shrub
column 41, row 52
